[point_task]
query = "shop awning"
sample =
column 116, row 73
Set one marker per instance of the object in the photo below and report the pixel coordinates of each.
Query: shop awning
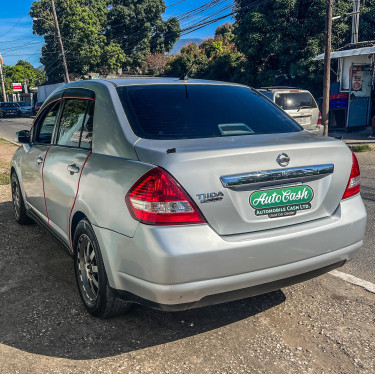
column 349, row 52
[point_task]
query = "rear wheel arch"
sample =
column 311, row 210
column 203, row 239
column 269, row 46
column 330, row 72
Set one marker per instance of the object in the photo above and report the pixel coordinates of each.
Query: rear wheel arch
column 77, row 217
column 96, row 294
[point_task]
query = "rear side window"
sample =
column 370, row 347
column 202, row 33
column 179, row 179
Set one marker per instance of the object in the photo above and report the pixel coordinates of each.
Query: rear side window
column 46, row 125
column 87, row 128
column 295, row 100
column 201, row 111
column 75, row 123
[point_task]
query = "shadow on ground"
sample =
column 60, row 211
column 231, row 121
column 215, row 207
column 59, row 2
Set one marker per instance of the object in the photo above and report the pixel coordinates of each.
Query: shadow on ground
column 41, row 312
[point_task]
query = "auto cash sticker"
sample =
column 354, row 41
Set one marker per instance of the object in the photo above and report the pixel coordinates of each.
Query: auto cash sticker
column 281, row 202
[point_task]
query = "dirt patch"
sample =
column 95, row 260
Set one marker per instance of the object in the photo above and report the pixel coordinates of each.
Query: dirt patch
column 7, row 150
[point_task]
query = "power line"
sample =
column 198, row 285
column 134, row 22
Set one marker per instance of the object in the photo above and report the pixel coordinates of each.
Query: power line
column 178, row 2
column 12, row 28
column 15, row 40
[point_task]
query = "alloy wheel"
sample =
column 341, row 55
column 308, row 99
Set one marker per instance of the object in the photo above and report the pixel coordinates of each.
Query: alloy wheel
column 88, row 268
column 16, row 196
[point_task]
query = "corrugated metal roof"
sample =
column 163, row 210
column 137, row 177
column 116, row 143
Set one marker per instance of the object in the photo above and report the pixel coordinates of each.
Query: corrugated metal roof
column 349, row 52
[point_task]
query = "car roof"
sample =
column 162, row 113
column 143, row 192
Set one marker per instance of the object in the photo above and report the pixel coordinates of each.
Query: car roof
column 131, row 81
column 282, row 89
column 156, row 80
column 95, row 84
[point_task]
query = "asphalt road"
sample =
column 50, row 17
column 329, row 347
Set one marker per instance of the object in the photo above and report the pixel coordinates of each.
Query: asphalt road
column 9, row 126
column 362, row 265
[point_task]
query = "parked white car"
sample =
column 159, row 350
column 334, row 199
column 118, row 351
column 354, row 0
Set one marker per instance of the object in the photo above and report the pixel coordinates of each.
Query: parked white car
column 299, row 104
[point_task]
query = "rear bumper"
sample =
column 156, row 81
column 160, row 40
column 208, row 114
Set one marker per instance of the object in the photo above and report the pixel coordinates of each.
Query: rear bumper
column 224, row 297
column 180, row 266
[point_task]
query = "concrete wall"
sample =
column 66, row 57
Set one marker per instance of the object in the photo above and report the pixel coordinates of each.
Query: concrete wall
column 45, row 90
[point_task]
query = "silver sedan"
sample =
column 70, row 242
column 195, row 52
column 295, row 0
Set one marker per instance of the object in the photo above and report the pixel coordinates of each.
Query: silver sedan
column 182, row 193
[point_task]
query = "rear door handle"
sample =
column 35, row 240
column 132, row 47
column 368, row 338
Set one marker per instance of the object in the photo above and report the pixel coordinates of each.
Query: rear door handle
column 73, row 168
column 39, row 160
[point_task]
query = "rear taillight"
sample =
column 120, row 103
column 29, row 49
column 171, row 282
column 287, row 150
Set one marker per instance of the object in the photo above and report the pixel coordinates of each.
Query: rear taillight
column 319, row 119
column 157, row 199
column 354, row 184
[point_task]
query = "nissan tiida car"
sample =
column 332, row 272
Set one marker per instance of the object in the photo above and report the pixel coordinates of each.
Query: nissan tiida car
column 183, row 193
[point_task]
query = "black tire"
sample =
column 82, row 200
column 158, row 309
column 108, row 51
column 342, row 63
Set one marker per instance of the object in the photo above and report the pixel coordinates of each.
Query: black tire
column 19, row 207
column 96, row 294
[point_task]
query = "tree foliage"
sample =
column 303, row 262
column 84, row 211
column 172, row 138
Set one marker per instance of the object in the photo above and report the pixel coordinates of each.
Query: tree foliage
column 280, row 38
column 21, row 71
column 216, row 58
column 102, row 35
column 138, row 27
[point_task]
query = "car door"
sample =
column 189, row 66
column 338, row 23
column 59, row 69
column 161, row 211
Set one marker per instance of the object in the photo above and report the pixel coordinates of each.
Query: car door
column 65, row 161
column 32, row 162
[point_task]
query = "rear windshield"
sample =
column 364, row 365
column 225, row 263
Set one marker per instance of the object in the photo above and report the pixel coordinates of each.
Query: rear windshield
column 201, row 111
column 295, row 100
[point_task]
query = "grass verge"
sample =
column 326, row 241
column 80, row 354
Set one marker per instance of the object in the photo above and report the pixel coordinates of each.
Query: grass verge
column 361, row 148
column 4, row 172
column 4, row 165
column 5, row 142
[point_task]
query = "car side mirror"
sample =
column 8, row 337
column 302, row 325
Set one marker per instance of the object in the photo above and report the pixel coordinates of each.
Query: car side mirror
column 22, row 137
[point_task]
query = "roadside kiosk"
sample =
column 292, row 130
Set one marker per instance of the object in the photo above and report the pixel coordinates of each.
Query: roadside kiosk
column 352, row 96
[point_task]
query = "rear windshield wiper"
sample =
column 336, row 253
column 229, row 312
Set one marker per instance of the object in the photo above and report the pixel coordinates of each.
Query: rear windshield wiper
column 304, row 107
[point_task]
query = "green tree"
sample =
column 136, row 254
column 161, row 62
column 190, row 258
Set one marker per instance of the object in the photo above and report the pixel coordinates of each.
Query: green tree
column 102, row 35
column 20, row 72
column 280, row 38
column 138, row 26
column 216, row 58
column 83, row 24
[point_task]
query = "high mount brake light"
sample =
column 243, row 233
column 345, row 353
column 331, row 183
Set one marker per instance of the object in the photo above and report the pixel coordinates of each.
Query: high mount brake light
column 157, row 199
column 354, row 184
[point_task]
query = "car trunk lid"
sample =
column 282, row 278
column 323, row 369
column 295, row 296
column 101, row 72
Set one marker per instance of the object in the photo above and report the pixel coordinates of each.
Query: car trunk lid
column 203, row 166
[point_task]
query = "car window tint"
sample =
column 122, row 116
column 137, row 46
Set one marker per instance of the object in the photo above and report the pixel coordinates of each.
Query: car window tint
column 47, row 124
column 87, row 128
column 201, row 111
column 72, row 118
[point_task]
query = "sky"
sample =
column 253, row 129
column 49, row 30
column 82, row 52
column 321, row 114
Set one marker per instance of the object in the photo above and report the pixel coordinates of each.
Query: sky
column 17, row 41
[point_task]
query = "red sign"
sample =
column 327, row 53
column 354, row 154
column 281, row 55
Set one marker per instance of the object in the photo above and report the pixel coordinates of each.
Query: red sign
column 17, row 86
column 339, row 96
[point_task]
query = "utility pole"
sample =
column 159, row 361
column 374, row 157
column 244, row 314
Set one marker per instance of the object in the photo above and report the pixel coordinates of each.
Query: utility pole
column 60, row 41
column 355, row 21
column 25, row 86
column 2, row 79
column 327, row 65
